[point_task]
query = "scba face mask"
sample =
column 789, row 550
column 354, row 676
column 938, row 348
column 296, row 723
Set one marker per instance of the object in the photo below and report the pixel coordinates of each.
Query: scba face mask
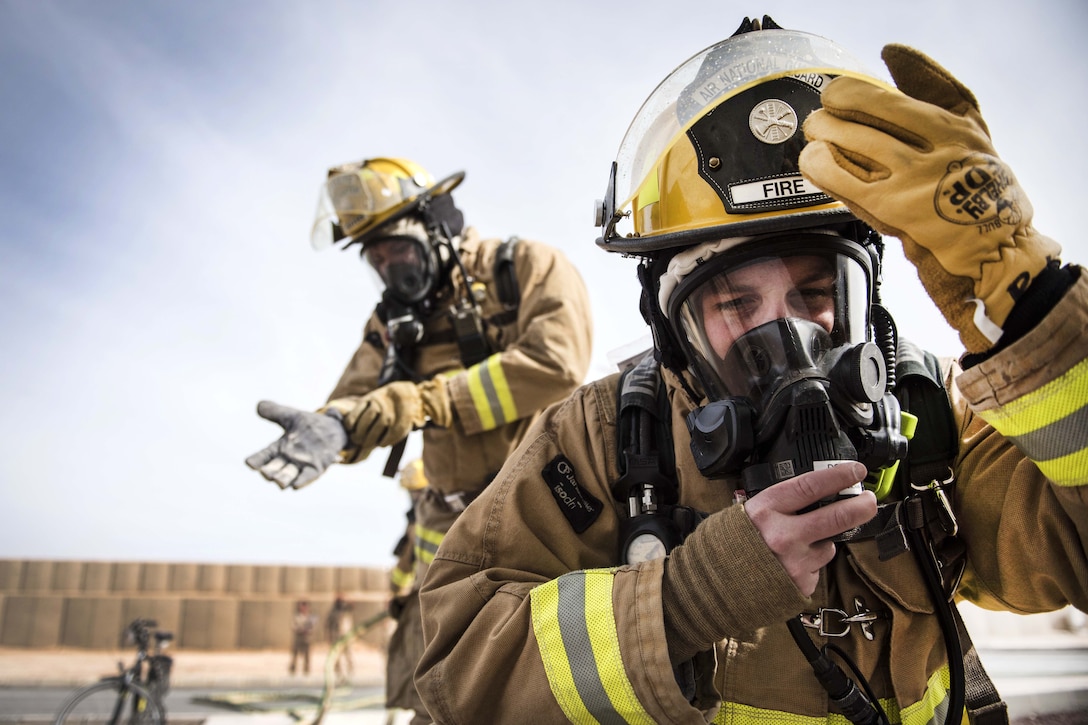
column 777, row 334
column 406, row 265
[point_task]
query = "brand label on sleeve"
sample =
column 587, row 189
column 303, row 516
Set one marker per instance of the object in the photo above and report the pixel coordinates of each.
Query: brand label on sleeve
column 579, row 506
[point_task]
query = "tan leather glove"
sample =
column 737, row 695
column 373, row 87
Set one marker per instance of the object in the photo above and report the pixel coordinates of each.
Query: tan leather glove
column 387, row 415
column 919, row 165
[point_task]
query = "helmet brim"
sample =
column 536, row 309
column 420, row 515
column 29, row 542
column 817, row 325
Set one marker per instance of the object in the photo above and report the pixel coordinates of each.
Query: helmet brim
column 805, row 219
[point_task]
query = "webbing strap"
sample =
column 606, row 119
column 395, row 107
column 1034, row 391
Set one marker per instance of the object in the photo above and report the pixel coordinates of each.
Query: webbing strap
column 920, row 390
column 984, row 704
column 506, row 281
column 640, row 456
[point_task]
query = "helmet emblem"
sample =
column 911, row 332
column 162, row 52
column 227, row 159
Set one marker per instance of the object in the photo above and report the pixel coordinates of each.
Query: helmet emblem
column 773, row 121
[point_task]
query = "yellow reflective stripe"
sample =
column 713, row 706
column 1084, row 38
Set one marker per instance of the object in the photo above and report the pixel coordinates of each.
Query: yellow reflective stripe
column 1050, row 403
column 544, row 601
column 934, row 703
column 575, row 628
column 1048, row 426
column 400, row 578
column 502, row 388
column 1071, row 470
column 930, row 710
column 490, row 393
column 733, row 712
column 601, row 625
column 479, row 398
column 427, row 542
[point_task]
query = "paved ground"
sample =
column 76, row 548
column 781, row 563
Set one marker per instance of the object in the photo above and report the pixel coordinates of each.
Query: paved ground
column 192, row 668
column 1037, row 667
column 241, row 677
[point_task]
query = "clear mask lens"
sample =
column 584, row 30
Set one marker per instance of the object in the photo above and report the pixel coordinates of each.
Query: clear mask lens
column 719, row 308
column 404, row 266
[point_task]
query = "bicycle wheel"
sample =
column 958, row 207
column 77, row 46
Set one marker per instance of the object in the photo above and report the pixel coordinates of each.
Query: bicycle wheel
column 111, row 702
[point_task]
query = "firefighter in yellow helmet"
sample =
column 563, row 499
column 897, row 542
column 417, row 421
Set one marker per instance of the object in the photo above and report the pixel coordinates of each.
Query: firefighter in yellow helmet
column 768, row 518
column 471, row 340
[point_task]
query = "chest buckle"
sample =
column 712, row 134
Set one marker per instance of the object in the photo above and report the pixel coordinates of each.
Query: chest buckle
column 832, row 622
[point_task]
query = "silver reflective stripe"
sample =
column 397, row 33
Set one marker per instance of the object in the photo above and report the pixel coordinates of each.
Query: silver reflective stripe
column 492, row 393
column 583, row 664
column 1061, row 438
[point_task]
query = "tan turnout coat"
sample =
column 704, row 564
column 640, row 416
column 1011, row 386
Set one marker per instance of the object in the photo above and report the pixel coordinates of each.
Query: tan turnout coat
column 543, row 354
column 501, row 649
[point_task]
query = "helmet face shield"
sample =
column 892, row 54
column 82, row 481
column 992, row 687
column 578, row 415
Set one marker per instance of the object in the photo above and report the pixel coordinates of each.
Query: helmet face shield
column 358, row 198
column 820, row 285
column 363, row 195
column 713, row 151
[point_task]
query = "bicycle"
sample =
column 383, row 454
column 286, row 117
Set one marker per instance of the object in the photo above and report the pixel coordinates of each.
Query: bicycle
column 134, row 696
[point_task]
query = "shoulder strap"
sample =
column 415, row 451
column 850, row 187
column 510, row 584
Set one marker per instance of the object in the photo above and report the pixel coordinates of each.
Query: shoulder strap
column 506, row 280
column 920, row 390
column 647, row 490
column 641, row 425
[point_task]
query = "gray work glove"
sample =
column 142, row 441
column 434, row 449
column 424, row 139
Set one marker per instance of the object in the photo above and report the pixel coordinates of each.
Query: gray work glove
column 311, row 442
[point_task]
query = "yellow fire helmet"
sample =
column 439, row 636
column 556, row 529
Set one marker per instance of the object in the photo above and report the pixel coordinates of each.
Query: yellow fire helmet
column 713, row 151
column 411, row 476
column 359, row 197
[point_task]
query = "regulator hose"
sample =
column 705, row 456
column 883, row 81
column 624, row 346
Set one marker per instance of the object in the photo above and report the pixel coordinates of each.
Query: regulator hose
column 844, row 692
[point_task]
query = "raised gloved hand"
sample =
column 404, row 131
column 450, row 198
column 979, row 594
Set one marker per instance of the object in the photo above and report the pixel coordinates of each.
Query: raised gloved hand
column 920, row 166
column 311, row 442
column 385, row 416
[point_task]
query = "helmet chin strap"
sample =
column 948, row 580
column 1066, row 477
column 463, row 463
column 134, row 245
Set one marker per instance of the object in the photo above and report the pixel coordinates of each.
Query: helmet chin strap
column 667, row 350
column 445, row 245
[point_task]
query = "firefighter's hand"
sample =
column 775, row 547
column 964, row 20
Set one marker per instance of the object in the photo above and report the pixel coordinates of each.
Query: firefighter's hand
column 919, row 165
column 801, row 541
column 723, row 582
column 385, row 416
column 311, row 442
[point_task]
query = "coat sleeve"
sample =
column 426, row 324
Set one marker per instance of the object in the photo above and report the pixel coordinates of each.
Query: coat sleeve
column 1023, row 469
column 361, row 374
column 359, row 377
column 549, row 356
column 525, row 616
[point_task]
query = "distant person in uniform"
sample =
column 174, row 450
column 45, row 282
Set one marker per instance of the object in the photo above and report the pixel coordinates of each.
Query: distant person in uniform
column 302, row 633
column 338, row 623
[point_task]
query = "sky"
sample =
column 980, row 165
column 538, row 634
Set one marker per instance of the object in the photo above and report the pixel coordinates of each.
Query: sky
column 159, row 170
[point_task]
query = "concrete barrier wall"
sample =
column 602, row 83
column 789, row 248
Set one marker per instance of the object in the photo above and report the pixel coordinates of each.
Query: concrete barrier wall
column 207, row 606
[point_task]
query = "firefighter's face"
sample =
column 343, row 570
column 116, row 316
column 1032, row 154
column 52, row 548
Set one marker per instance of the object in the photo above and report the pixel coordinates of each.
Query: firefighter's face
column 392, row 256
column 405, row 265
column 736, row 301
